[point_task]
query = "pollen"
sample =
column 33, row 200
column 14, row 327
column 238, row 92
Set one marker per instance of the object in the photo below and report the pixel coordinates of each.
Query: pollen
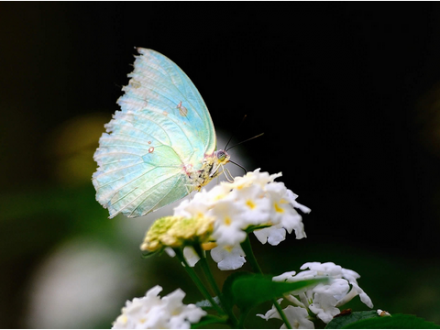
column 151, row 150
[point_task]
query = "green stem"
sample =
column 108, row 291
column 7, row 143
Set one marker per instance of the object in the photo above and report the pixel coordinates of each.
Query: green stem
column 281, row 312
column 207, row 271
column 196, row 280
column 213, row 283
column 247, row 248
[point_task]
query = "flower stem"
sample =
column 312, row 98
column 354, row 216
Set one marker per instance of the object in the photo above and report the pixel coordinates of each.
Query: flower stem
column 196, row 280
column 213, row 283
column 247, row 248
column 207, row 271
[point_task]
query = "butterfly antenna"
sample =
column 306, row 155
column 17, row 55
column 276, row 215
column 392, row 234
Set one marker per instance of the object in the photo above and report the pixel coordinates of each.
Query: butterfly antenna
column 226, row 147
column 254, row 137
column 235, row 131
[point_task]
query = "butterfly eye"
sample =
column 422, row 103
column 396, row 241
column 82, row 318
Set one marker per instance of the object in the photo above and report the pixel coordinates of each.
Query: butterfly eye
column 221, row 155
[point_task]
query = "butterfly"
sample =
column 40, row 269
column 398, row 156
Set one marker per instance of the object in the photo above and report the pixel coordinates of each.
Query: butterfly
column 160, row 146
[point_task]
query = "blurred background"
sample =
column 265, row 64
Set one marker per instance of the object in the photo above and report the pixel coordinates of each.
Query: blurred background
column 348, row 98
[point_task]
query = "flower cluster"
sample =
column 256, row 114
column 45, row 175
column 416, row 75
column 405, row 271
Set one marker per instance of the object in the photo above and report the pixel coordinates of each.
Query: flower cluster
column 153, row 312
column 322, row 300
column 177, row 231
column 227, row 212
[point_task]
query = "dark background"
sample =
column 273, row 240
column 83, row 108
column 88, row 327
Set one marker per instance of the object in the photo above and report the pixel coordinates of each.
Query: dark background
column 347, row 95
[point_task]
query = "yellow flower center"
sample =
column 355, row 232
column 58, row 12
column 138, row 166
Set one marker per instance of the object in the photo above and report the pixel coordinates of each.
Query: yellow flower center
column 228, row 221
column 250, row 203
column 278, row 208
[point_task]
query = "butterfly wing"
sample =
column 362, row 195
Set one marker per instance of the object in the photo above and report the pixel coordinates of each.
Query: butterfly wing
column 163, row 125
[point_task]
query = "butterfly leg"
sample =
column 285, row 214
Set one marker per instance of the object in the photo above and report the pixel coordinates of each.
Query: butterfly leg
column 228, row 174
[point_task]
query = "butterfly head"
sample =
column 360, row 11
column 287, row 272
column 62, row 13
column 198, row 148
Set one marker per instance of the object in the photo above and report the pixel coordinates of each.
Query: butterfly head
column 222, row 157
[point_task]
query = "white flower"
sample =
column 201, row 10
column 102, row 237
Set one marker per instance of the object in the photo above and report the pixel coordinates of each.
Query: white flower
column 324, row 307
column 152, row 312
column 291, row 197
column 284, row 277
column 356, row 290
column 228, row 258
column 274, row 235
column 254, row 199
column 324, row 299
column 252, row 202
column 228, row 226
column 218, row 192
column 255, row 204
column 250, row 178
column 196, row 207
column 282, row 215
column 268, row 203
column 297, row 317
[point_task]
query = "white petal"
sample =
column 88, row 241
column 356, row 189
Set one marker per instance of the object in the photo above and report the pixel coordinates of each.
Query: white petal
column 190, row 255
column 324, row 307
column 337, row 287
column 362, row 295
column 298, row 318
column 291, row 197
column 170, row 252
column 284, row 277
column 228, row 260
column 274, row 235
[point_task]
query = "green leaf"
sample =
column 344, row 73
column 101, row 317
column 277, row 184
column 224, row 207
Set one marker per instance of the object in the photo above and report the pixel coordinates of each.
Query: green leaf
column 340, row 322
column 248, row 290
column 370, row 320
column 396, row 321
column 208, row 319
column 227, row 288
